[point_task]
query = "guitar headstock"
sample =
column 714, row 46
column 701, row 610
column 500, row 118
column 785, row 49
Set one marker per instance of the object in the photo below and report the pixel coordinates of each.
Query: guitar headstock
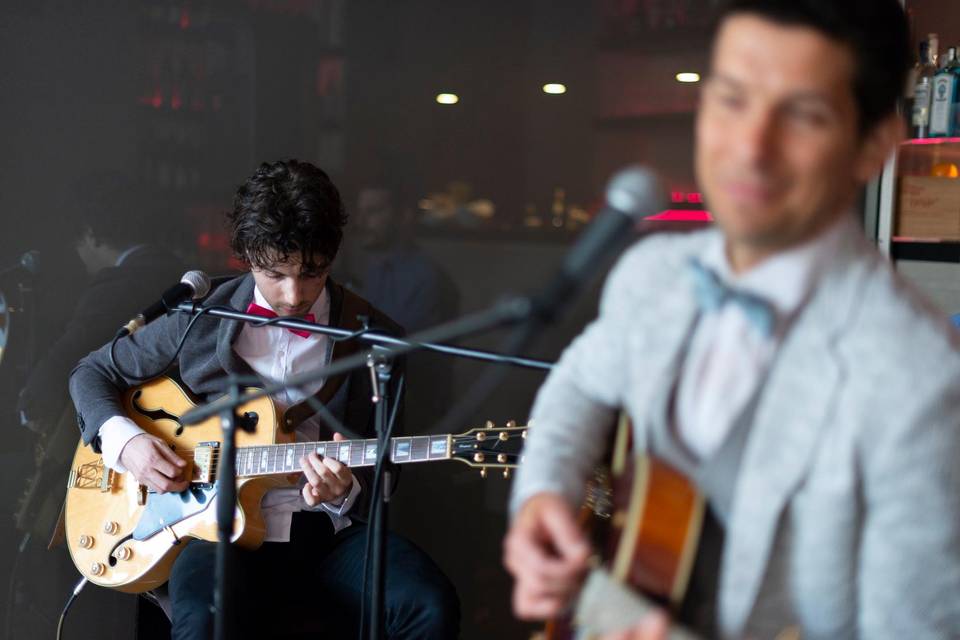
column 490, row 447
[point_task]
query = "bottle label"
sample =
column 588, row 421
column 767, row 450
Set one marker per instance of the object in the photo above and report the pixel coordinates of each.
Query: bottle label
column 942, row 105
column 921, row 105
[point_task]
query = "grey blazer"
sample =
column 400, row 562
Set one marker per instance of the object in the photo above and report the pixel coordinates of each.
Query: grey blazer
column 845, row 518
column 208, row 356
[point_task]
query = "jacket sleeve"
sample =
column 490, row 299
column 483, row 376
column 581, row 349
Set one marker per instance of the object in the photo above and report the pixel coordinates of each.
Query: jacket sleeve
column 96, row 384
column 909, row 560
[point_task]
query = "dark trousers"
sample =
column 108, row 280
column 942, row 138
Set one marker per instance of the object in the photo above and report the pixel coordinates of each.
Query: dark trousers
column 311, row 587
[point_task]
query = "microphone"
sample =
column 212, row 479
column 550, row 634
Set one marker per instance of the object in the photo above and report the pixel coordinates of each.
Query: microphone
column 192, row 286
column 27, row 263
column 632, row 194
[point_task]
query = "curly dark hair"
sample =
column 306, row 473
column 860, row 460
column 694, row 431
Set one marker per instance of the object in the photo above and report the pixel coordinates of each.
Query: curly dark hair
column 287, row 208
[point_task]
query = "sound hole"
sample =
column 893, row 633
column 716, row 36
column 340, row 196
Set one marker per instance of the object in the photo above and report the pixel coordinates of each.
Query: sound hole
column 156, row 414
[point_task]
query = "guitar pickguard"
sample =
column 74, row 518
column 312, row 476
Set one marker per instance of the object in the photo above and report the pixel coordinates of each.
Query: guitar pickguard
column 166, row 509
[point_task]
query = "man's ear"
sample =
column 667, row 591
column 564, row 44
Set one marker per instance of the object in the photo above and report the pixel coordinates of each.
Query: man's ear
column 877, row 145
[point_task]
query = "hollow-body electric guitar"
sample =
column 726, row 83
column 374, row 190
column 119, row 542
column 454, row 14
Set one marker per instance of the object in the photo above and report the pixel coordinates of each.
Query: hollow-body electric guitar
column 122, row 536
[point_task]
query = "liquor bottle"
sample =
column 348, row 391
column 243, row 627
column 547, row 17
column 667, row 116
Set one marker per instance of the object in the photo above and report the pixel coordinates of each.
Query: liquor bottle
column 906, row 106
column 943, row 101
column 923, row 91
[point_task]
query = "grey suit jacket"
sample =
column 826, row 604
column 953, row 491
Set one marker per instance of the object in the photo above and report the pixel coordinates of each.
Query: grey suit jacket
column 846, row 512
column 208, row 357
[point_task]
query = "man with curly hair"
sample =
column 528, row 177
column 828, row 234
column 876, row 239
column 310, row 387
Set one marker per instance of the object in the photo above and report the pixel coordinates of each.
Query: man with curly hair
column 287, row 225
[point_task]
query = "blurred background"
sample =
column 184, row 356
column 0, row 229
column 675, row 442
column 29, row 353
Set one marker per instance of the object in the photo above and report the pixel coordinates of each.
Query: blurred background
column 471, row 142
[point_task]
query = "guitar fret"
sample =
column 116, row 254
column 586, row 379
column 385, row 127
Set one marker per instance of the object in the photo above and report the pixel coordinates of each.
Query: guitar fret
column 369, row 452
column 356, row 453
column 401, row 449
column 438, row 447
column 420, row 448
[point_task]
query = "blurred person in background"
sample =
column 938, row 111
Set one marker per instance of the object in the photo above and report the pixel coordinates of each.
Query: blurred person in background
column 385, row 264
column 114, row 223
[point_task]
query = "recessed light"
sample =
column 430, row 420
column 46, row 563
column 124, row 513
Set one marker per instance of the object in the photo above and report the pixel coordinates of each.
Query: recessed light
column 448, row 98
column 554, row 88
column 688, row 76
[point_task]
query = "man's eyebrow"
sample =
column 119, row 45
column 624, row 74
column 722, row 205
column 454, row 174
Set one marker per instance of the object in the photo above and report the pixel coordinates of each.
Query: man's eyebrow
column 801, row 96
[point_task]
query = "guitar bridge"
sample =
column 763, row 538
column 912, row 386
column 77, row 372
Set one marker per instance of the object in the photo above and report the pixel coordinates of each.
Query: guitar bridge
column 92, row 475
column 205, row 458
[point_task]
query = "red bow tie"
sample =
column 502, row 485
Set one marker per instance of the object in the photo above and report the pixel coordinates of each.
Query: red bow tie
column 263, row 312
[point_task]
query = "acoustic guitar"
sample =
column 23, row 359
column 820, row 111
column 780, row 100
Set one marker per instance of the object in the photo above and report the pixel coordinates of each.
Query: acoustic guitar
column 645, row 520
column 123, row 536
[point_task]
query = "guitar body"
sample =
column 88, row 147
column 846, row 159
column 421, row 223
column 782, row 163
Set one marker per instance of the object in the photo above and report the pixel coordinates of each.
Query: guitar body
column 123, row 537
column 645, row 520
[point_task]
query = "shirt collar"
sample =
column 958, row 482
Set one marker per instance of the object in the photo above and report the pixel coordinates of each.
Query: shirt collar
column 787, row 277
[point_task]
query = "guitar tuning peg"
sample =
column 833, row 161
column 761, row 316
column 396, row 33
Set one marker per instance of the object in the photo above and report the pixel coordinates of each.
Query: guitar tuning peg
column 483, row 472
column 506, row 473
column 511, row 424
column 489, row 425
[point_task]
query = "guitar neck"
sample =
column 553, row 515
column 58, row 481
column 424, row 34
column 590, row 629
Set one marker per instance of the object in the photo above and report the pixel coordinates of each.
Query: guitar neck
column 285, row 458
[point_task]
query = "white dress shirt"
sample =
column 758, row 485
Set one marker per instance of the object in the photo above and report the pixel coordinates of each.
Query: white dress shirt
column 728, row 356
column 276, row 354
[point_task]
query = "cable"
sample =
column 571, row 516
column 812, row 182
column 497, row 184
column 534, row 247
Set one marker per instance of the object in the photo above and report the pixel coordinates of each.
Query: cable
column 73, row 596
column 113, row 347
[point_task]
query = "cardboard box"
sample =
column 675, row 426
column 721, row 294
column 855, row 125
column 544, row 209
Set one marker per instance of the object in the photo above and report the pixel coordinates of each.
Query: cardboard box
column 928, row 208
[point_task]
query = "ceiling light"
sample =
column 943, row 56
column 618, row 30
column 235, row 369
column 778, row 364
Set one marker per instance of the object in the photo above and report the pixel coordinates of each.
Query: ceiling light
column 448, row 98
column 554, row 88
column 688, row 76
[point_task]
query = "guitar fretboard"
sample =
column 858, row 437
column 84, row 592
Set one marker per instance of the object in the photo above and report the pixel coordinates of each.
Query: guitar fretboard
column 285, row 458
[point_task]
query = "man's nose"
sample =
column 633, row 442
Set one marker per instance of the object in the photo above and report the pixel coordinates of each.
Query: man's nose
column 292, row 292
column 756, row 139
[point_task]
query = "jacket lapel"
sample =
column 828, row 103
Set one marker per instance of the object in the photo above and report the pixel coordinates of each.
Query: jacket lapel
column 793, row 410
column 229, row 330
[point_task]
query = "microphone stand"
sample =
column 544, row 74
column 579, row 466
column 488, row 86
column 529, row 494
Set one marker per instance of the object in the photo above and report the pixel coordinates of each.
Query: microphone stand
column 379, row 362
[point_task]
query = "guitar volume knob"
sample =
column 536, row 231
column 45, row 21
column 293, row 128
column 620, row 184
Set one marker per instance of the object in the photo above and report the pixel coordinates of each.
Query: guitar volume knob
column 110, row 528
column 124, row 553
column 86, row 541
column 97, row 568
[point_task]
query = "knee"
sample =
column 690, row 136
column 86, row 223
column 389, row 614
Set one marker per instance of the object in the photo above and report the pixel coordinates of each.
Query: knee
column 428, row 609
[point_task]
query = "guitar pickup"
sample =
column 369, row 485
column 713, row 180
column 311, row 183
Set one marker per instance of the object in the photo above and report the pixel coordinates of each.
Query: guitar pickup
column 205, row 457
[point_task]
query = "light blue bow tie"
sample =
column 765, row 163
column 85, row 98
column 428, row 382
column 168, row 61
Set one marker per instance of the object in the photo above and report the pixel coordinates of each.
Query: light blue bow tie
column 712, row 293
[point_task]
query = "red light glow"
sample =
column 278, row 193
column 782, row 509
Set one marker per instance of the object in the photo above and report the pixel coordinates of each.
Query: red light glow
column 921, row 141
column 682, row 215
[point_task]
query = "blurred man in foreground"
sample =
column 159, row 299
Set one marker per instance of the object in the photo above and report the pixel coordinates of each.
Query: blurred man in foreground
column 776, row 360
